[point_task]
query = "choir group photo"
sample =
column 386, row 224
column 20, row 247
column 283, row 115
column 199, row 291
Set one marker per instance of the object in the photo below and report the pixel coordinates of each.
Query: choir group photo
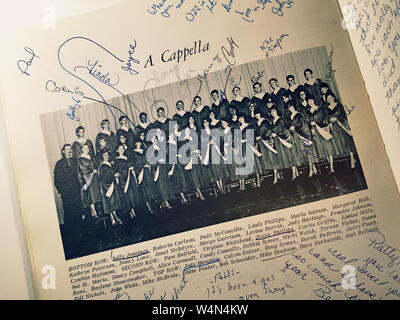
column 245, row 140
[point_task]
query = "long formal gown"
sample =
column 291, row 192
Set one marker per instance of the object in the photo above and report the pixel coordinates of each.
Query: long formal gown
column 321, row 132
column 178, row 178
column 216, row 152
column 340, row 129
column 126, row 181
column 249, row 152
column 90, row 191
column 227, row 147
column 144, row 173
column 112, row 198
column 305, row 150
column 266, row 144
column 283, row 143
column 211, row 154
column 193, row 167
column 161, row 180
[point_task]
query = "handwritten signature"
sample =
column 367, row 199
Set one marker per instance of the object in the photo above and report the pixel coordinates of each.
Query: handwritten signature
column 131, row 60
column 72, row 115
column 23, row 65
column 330, row 72
column 262, row 4
column 103, row 77
column 378, row 242
column 269, row 45
column 99, row 75
column 52, row 86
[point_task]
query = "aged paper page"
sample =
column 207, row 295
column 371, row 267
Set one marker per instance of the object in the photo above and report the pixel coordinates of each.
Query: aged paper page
column 15, row 266
column 110, row 212
column 374, row 29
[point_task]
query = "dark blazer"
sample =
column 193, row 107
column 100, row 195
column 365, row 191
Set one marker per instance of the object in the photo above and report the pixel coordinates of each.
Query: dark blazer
column 66, row 178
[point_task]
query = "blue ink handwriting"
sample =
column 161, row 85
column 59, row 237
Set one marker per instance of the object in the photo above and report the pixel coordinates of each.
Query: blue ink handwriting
column 24, row 65
column 131, row 60
column 378, row 243
column 103, row 77
column 281, row 5
column 270, row 45
column 228, row 6
column 72, row 115
column 191, row 15
column 109, row 106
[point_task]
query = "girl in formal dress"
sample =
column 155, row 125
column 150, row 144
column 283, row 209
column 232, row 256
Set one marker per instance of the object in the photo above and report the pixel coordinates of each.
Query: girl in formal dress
column 246, row 149
column 193, row 166
column 263, row 130
column 340, row 128
column 321, row 132
column 162, row 182
column 284, row 143
column 217, row 152
column 305, row 150
column 227, row 148
column 211, row 153
column 88, row 178
column 112, row 198
column 144, row 173
column 127, row 180
column 177, row 171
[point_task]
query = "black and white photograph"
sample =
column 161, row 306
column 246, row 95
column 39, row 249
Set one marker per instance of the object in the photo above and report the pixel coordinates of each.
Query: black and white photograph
column 216, row 147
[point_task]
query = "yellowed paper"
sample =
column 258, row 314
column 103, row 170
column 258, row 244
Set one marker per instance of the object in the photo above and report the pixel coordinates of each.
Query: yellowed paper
column 374, row 29
column 123, row 60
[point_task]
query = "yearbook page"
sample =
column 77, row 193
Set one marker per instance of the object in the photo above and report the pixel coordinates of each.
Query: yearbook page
column 199, row 150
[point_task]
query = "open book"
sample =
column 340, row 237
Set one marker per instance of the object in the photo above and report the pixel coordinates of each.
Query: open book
column 210, row 149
